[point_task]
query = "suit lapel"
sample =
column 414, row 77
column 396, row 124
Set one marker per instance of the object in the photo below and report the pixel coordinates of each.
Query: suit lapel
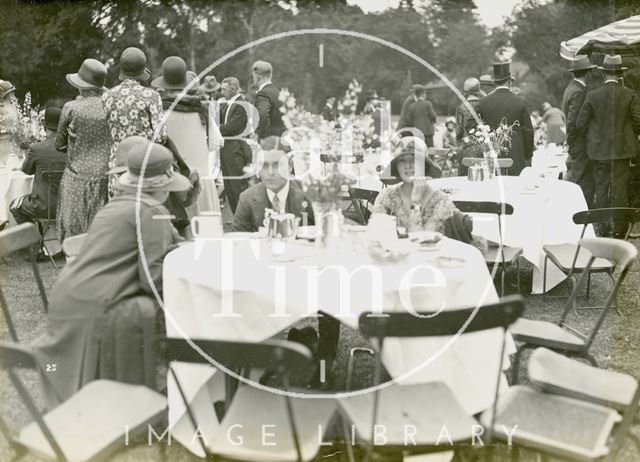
column 259, row 204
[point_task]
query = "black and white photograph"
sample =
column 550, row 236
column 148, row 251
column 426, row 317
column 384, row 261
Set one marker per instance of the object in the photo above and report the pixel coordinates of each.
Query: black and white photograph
column 319, row 230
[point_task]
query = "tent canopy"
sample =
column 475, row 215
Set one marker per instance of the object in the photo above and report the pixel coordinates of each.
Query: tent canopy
column 620, row 37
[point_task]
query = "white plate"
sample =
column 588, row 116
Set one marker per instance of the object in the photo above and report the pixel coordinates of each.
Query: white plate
column 431, row 237
column 450, row 262
column 430, row 247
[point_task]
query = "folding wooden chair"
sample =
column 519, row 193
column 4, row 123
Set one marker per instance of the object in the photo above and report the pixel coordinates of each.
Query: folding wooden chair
column 570, row 410
column 560, row 336
column 361, row 199
column 249, row 408
column 443, row 159
column 71, row 246
column 497, row 253
column 504, row 163
column 91, row 425
column 427, row 407
column 571, row 259
column 24, row 236
column 52, row 179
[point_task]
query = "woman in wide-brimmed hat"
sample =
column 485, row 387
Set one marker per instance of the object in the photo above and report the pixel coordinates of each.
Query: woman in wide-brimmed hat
column 96, row 305
column 188, row 115
column 416, row 205
column 83, row 132
column 9, row 119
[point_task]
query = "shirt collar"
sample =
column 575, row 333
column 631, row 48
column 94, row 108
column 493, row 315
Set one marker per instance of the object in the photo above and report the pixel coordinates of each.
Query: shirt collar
column 232, row 99
column 581, row 83
column 612, row 81
column 502, row 87
column 282, row 195
column 264, row 85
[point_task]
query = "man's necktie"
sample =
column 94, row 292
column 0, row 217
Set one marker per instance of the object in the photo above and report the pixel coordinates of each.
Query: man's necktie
column 275, row 203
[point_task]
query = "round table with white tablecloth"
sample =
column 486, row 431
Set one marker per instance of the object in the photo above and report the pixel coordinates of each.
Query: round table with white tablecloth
column 13, row 184
column 542, row 215
column 236, row 289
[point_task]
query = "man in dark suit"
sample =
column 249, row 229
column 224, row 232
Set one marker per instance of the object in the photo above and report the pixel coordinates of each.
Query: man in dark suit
column 43, row 156
column 501, row 105
column 267, row 102
column 236, row 153
column 412, row 98
column 329, row 110
column 422, row 116
column 610, row 117
column 580, row 168
column 274, row 191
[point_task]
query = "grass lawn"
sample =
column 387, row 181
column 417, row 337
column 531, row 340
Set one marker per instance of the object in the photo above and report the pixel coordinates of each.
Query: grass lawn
column 616, row 347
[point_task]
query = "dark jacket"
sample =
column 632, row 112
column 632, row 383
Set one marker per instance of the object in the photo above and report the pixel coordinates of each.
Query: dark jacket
column 502, row 104
column 610, row 118
column 249, row 215
column 405, row 110
column 233, row 121
column 268, row 106
column 422, row 116
column 572, row 101
column 42, row 157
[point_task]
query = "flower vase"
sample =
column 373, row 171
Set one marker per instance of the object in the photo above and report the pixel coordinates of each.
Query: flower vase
column 491, row 162
column 329, row 222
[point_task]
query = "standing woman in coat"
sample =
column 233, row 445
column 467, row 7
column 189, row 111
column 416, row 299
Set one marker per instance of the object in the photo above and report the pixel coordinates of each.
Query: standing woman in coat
column 84, row 134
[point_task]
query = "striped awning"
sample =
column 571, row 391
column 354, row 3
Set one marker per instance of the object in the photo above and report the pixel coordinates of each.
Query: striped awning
column 620, row 37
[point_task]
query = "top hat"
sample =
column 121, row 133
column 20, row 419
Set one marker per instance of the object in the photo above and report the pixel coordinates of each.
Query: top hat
column 390, row 174
column 51, row 118
column 502, row 71
column 158, row 174
column 132, row 65
column 210, row 84
column 580, row 63
column 6, row 87
column 91, row 74
column 174, row 74
column 613, row 63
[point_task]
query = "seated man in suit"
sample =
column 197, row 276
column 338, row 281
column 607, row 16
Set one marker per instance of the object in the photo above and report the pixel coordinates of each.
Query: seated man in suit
column 43, row 156
column 275, row 191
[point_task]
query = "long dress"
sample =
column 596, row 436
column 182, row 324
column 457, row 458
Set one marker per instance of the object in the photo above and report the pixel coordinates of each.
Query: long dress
column 189, row 135
column 84, row 133
column 93, row 324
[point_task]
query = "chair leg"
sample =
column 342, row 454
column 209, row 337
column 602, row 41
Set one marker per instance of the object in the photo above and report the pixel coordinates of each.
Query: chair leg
column 588, row 284
column 591, row 359
column 7, row 318
column 36, row 274
column 544, row 278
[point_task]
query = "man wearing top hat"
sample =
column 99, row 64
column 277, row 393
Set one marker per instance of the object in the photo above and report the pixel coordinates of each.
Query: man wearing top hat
column 610, row 119
column 580, row 168
column 501, row 105
column 133, row 109
column 42, row 202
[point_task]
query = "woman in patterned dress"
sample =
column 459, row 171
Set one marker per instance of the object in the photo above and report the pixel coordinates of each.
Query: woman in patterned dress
column 84, row 133
column 416, row 205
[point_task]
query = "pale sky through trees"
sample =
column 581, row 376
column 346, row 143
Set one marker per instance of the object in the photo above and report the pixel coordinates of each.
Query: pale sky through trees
column 491, row 12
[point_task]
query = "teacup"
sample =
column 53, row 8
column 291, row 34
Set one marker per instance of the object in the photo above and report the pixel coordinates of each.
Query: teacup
column 207, row 225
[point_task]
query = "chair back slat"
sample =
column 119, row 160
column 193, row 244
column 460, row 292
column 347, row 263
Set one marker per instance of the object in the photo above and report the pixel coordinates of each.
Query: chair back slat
column 615, row 214
column 427, row 324
column 18, row 238
column 496, row 208
column 274, row 355
column 364, row 194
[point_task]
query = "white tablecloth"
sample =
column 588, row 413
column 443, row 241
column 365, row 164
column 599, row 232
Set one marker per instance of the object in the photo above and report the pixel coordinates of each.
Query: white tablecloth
column 13, row 184
column 194, row 297
column 541, row 216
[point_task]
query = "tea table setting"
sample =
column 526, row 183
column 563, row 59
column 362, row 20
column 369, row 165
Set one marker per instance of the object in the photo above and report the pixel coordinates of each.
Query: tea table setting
column 253, row 286
column 13, row 184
